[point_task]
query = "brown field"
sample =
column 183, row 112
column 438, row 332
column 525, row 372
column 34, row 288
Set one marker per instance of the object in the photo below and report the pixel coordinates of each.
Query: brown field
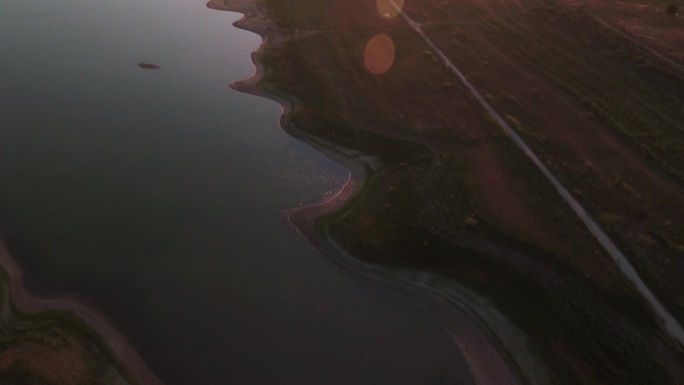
column 580, row 97
column 593, row 87
column 645, row 22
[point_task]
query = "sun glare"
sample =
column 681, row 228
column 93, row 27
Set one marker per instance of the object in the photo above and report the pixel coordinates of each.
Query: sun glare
column 389, row 8
column 379, row 55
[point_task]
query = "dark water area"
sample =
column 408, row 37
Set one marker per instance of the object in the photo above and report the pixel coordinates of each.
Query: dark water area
column 158, row 197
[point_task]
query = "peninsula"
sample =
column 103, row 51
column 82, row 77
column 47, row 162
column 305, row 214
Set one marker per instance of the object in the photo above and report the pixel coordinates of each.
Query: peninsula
column 523, row 153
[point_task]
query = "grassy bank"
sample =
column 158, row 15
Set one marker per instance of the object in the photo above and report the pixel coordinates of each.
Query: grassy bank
column 454, row 197
column 52, row 348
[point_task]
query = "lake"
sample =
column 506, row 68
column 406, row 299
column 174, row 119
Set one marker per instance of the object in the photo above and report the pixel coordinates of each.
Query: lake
column 157, row 196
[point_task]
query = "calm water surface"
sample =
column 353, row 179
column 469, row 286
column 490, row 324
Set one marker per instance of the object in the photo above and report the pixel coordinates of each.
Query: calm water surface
column 158, row 195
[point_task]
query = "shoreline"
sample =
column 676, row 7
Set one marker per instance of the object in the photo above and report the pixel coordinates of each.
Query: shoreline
column 485, row 362
column 123, row 355
column 515, row 284
column 464, row 324
column 97, row 325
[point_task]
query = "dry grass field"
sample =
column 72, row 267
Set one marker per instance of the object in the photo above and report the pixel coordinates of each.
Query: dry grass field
column 583, row 83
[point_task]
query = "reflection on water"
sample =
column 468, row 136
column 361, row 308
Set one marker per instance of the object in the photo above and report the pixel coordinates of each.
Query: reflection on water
column 379, row 54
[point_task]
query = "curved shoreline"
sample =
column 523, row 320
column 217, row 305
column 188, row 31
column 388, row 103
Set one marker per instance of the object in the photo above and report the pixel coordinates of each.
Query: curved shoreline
column 125, row 357
column 484, row 361
column 465, row 324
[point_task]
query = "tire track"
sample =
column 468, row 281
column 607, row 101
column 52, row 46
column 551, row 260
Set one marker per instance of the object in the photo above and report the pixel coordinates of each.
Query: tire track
column 669, row 322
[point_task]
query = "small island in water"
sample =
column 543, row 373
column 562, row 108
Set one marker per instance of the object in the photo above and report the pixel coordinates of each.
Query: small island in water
column 148, row 66
column 520, row 158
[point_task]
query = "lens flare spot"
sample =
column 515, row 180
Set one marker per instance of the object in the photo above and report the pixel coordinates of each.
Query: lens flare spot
column 379, row 55
column 389, row 8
